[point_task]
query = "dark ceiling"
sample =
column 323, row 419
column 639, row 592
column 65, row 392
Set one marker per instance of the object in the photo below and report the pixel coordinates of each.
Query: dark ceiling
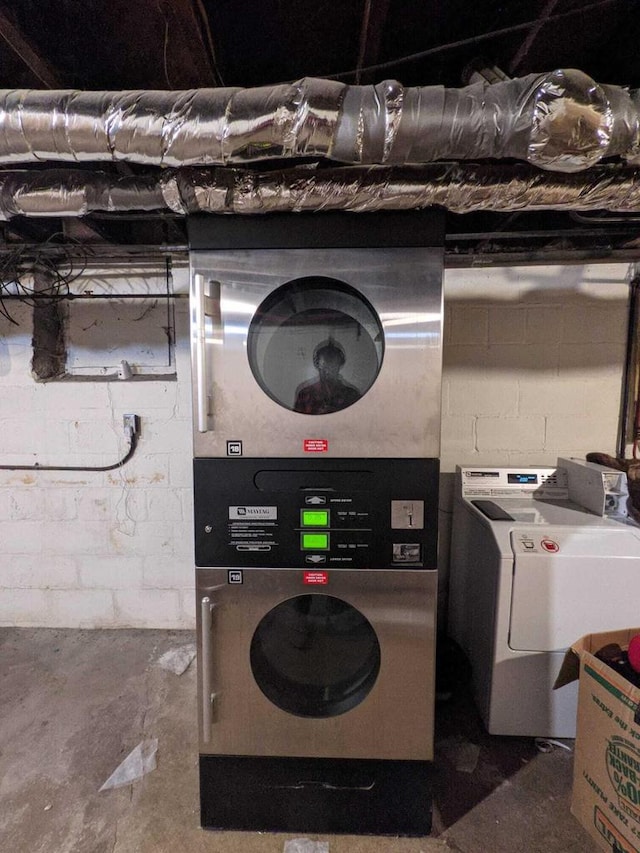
column 177, row 44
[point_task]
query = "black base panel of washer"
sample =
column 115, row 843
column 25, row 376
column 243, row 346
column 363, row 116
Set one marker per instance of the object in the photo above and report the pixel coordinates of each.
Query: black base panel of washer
column 338, row 796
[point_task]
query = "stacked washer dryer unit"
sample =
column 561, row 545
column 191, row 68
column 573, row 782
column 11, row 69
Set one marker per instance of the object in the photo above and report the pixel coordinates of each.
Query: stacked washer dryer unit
column 316, row 345
column 539, row 558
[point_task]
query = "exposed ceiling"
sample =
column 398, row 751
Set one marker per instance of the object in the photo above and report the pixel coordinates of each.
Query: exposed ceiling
column 178, row 44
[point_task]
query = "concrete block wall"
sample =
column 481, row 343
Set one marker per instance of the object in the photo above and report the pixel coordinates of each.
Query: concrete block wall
column 533, row 360
column 532, row 370
column 95, row 549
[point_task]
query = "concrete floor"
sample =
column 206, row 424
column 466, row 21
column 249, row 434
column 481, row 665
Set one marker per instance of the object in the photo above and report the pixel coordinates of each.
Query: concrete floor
column 73, row 704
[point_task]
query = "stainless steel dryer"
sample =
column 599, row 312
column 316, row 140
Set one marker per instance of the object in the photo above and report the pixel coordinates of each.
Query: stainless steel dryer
column 317, row 361
column 281, row 300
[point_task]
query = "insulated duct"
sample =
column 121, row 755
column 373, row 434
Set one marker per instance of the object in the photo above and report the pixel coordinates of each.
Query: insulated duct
column 460, row 188
column 561, row 121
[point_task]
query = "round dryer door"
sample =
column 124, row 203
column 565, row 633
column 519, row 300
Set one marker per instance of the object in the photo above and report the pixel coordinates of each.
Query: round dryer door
column 315, row 656
column 315, row 345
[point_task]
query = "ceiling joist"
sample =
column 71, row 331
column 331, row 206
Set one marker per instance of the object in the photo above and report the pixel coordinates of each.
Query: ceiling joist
column 28, row 54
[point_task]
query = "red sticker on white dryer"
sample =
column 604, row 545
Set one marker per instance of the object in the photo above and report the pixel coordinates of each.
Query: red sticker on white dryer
column 315, row 445
column 550, row 546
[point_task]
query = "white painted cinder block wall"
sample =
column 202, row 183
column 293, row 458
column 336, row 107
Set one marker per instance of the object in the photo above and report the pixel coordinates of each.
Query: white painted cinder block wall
column 532, row 370
column 82, row 549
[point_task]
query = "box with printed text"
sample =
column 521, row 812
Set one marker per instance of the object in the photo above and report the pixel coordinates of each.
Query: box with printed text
column 606, row 775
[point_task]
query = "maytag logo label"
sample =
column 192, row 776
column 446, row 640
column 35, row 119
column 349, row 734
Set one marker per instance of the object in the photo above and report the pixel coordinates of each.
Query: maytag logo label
column 253, row 513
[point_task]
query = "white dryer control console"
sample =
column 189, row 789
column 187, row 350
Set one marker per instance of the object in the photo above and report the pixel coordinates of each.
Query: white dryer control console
column 540, row 557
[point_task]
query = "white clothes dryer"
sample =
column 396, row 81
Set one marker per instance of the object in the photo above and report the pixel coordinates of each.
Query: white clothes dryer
column 540, row 557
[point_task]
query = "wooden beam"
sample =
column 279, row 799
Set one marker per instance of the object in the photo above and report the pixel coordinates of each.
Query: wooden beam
column 190, row 19
column 49, row 350
column 30, row 230
column 531, row 36
column 374, row 16
column 27, row 52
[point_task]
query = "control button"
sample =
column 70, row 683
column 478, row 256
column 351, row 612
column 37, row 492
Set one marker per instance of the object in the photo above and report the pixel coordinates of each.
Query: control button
column 253, row 547
column 550, row 546
column 528, row 544
column 315, row 558
column 315, row 500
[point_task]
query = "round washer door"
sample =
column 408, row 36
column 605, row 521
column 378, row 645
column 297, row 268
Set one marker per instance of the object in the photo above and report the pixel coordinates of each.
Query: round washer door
column 315, row 345
column 315, row 656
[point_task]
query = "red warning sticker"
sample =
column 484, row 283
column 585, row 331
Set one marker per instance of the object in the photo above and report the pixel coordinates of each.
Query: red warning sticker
column 316, row 578
column 550, row 545
column 315, row 445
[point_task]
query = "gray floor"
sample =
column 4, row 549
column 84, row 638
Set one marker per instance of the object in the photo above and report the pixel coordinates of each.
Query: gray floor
column 73, row 704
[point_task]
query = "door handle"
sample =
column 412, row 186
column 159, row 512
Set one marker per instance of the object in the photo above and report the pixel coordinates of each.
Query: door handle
column 208, row 696
column 206, row 318
column 199, row 331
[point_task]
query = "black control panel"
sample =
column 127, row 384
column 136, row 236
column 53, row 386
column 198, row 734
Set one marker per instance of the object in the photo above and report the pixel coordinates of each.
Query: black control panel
column 316, row 514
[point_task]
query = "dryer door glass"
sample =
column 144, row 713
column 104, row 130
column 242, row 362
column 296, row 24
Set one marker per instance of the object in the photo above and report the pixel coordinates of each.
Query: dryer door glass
column 315, row 656
column 315, row 345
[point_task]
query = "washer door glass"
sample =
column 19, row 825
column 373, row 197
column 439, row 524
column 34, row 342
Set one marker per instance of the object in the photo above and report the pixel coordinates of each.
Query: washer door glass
column 315, row 345
column 315, row 656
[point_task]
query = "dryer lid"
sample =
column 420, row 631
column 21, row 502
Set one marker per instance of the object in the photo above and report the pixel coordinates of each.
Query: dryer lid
column 568, row 582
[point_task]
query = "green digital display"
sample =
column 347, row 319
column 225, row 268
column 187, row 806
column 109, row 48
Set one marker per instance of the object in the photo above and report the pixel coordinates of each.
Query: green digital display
column 315, row 518
column 315, row 541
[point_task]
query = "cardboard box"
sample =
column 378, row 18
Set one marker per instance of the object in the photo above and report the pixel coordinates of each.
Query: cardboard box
column 606, row 774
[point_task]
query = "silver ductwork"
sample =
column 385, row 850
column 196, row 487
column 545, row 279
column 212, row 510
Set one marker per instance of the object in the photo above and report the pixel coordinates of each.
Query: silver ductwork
column 460, row 188
column 562, row 121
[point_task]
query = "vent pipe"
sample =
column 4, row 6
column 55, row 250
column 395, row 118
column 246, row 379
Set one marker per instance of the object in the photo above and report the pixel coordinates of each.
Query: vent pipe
column 562, row 121
column 460, row 188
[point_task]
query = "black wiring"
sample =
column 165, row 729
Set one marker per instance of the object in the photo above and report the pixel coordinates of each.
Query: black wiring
column 443, row 48
column 133, row 443
column 56, row 270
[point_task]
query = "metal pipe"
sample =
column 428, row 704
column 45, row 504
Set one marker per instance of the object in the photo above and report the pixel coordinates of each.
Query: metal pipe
column 629, row 374
column 73, row 297
column 460, row 188
column 560, row 121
